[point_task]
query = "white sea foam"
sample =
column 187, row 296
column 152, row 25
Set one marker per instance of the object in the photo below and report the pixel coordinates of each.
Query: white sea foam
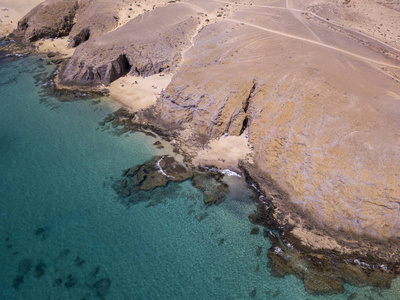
column 16, row 55
column 230, row 173
column 278, row 251
column 161, row 170
column 361, row 263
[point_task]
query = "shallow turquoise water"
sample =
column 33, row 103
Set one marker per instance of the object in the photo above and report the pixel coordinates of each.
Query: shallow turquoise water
column 64, row 231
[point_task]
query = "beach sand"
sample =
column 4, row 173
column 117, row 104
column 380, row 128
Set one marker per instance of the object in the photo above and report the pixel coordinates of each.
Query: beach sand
column 16, row 11
column 139, row 95
column 224, row 153
column 57, row 45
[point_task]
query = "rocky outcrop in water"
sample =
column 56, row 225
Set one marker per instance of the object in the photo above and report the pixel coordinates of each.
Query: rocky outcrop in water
column 160, row 171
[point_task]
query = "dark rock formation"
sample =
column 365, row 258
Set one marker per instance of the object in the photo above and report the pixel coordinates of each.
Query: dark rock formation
column 214, row 190
column 161, row 170
column 144, row 46
column 52, row 18
column 155, row 173
column 255, row 230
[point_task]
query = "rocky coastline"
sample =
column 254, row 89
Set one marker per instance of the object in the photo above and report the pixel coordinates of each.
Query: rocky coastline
column 321, row 167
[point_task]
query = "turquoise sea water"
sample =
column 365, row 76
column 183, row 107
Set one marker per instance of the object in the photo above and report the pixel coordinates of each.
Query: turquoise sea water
column 65, row 235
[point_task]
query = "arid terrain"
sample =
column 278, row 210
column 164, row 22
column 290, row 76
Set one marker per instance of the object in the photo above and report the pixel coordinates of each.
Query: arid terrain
column 315, row 86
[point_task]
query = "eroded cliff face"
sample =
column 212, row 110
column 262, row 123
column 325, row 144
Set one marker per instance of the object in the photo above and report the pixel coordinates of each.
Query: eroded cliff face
column 52, row 18
column 318, row 100
column 144, row 46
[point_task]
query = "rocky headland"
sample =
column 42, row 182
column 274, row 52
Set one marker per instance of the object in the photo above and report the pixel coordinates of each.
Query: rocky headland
column 314, row 85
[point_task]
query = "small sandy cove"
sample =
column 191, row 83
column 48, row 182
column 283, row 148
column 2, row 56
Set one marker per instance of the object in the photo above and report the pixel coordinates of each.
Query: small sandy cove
column 224, row 153
column 139, row 92
column 13, row 11
column 58, row 45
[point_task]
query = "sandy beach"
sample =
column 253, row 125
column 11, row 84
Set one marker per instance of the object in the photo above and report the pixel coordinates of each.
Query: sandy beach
column 13, row 11
column 224, row 152
column 137, row 92
column 59, row 45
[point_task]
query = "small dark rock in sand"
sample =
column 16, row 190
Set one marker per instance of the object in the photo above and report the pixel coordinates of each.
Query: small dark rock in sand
column 18, row 281
column 102, row 287
column 51, row 54
column 58, row 61
column 158, row 145
column 255, row 230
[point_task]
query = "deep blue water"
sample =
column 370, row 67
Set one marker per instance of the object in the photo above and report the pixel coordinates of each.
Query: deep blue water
column 65, row 235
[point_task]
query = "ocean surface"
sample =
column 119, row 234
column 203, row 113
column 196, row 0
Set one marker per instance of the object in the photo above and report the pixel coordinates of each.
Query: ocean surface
column 64, row 234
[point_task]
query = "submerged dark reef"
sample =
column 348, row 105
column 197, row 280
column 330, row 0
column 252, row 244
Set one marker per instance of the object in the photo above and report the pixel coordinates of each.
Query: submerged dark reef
column 162, row 170
column 66, row 270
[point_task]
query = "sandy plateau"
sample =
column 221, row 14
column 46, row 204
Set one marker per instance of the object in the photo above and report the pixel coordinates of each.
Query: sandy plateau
column 313, row 84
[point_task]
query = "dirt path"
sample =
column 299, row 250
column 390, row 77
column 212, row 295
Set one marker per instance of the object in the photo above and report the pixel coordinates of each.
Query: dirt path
column 289, row 7
column 315, row 43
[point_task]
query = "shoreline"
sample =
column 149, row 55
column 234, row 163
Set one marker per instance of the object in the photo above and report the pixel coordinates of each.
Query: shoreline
column 337, row 251
column 265, row 217
column 372, row 270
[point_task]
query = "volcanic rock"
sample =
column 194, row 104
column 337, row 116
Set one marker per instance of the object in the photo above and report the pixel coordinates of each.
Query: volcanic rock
column 52, row 18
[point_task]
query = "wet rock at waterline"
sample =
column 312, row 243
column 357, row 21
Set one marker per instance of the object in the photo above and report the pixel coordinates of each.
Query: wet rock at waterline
column 322, row 271
column 161, row 170
column 214, row 190
column 154, row 173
